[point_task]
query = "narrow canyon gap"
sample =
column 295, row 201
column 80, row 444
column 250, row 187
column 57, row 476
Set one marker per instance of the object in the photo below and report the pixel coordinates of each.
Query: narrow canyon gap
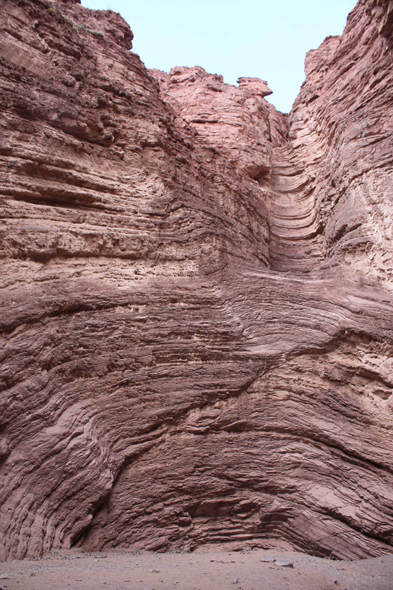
column 196, row 295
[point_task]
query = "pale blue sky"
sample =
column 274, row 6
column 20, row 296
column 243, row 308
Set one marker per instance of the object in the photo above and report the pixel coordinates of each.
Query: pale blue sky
column 267, row 39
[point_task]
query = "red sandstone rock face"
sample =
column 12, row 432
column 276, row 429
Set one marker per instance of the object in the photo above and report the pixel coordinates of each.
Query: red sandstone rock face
column 196, row 295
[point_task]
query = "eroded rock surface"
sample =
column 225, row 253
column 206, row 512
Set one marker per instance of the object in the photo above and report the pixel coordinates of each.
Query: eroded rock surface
column 196, row 300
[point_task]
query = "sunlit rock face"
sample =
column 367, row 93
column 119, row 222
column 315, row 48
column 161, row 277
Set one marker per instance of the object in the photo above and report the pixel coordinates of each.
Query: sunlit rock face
column 196, row 302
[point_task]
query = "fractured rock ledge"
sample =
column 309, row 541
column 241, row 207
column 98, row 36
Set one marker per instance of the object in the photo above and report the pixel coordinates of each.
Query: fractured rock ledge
column 196, row 295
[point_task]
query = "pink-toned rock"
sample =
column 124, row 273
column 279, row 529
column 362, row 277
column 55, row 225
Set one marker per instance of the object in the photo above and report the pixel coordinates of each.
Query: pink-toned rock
column 196, row 298
column 255, row 85
column 234, row 121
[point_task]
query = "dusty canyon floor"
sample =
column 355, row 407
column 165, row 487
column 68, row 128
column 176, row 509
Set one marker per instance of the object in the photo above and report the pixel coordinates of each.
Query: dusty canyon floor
column 251, row 570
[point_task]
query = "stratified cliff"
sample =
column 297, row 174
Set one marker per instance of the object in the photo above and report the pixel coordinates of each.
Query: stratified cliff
column 196, row 301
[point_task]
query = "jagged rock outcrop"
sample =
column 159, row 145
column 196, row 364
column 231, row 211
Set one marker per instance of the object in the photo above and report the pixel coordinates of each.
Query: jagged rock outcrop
column 196, row 299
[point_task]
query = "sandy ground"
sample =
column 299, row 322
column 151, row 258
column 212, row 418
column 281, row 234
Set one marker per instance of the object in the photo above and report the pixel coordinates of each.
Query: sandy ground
column 250, row 570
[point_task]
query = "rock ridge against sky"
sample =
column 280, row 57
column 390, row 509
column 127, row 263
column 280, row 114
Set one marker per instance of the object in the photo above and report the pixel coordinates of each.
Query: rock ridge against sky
column 196, row 295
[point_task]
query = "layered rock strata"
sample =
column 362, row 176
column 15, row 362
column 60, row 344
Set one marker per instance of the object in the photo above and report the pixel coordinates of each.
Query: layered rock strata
column 196, row 306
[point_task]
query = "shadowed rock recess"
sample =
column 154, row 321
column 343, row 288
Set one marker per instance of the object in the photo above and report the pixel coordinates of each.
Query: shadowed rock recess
column 196, row 302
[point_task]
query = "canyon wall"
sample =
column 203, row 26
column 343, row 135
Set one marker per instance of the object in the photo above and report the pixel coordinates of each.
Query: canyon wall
column 196, row 295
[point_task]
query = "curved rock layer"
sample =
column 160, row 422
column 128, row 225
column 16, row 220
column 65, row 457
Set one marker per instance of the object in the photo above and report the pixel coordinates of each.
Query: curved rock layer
column 196, row 302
